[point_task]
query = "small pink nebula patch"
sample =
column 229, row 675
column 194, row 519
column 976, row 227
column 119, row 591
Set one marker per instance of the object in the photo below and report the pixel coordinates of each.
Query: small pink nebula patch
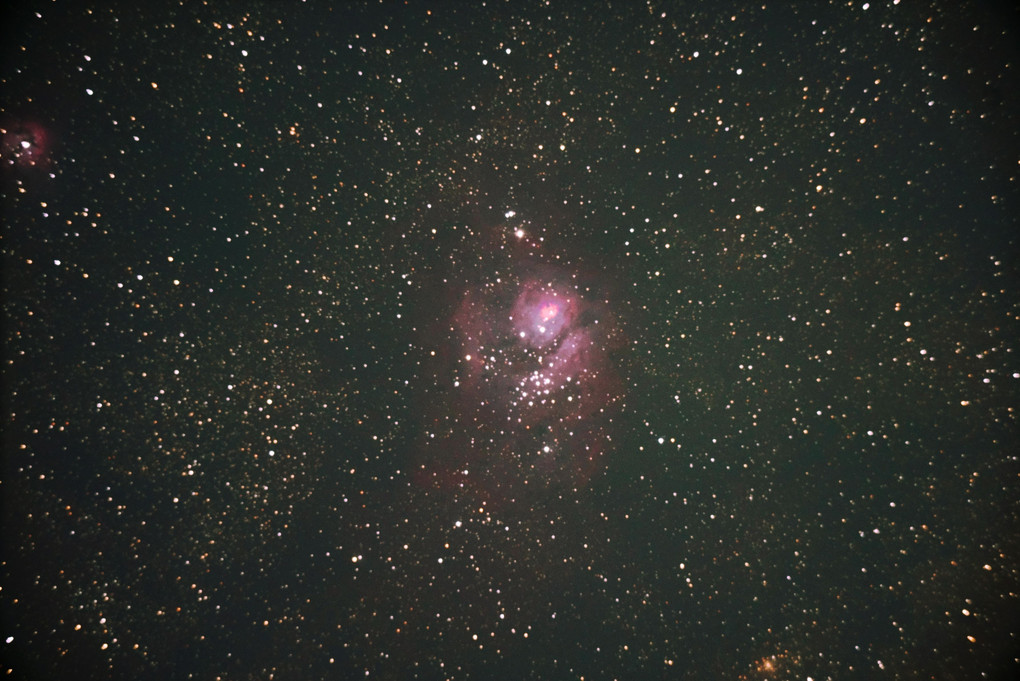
column 549, row 311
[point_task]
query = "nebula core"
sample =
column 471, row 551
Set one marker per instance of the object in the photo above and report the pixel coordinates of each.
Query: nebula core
column 542, row 312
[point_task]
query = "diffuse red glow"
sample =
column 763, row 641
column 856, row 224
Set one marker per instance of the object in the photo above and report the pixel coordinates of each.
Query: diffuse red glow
column 531, row 391
column 24, row 144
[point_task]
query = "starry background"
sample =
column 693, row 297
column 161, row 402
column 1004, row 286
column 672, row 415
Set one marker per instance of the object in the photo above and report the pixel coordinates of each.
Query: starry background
column 510, row 340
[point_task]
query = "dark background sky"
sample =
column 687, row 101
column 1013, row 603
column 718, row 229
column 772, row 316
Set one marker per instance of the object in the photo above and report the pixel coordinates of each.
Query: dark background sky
column 248, row 249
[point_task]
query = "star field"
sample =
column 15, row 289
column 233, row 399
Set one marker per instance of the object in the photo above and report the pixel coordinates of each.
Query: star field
column 513, row 340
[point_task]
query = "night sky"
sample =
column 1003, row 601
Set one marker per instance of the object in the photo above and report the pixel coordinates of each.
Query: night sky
column 510, row 340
